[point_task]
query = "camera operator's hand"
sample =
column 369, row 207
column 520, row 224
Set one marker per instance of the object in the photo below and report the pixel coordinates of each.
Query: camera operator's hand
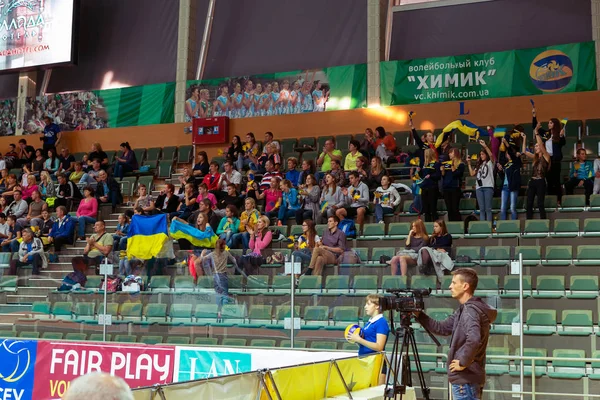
column 455, row 366
column 416, row 314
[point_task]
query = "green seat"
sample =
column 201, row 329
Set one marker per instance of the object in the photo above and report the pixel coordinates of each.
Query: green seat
column 407, row 209
column 205, row 283
column 235, row 313
column 456, row 229
column 40, row 309
column 93, row 282
column 151, row 339
column 165, row 168
column 178, row 340
column 337, row 284
column 153, row 154
column 428, row 362
column 559, row 255
column 398, row 231
column 487, row 286
column 309, row 284
column 131, row 311
column 423, row 282
column 97, row 337
column 377, row 253
column 52, row 335
column 206, row 341
column 316, row 315
column 184, row 154
column 288, row 147
column 594, row 202
column 583, row 287
column 540, row 322
column 63, row 310
column 536, row 228
column 125, row 338
column 160, row 283
column 183, row 284
column 283, row 312
column 234, row 342
column 263, row 343
column 511, row 286
column 474, row 252
column 281, row 285
column 298, row 344
column 531, row 254
column 323, row 345
column 393, row 282
column 111, row 308
column 508, row 229
column 295, row 230
column 76, row 336
column 444, row 290
column 257, row 283
column 496, row 256
column 588, row 255
column 573, row 203
column 567, row 228
column 180, row 313
column 343, row 142
column 479, row 229
column 127, row 185
column 563, row 369
column 236, row 283
column 504, row 319
column 169, row 153
column 550, row 203
column 497, row 366
column 576, row 323
column 84, row 311
column 146, row 180
column 29, row 335
column 344, row 315
column 591, row 227
column 8, row 282
column 155, row 312
column 260, row 314
column 467, row 206
column 595, row 374
column 372, row 232
column 540, row 365
column 549, row 287
column 139, row 155
column 110, row 155
column 365, row 284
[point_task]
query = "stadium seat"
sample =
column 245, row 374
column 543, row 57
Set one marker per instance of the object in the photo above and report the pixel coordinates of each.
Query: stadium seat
column 257, row 283
column 479, row 230
column 160, row 283
column 111, row 308
column 97, row 337
column 576, row 323
column 309, row 284
column 344, row 315
column 456, row 229
column 549, row 287
column 316, row 315
column 594, row 203
column 80, row 337
column 260, row 315
column 169, row 153
column 567, row 228
column 402, row 138
column 155, row 312
column 503, row 323
column 184, row 154
column 146, row 180
column 205, row 314
column 323, row 345
column 587, row 255
column 262, row 343
column 423, row 282
column 487, row 286
column 206, row 341
column 40, row 309
column 184, row 284
column 591, row 227
column 531, row 254
column 440, row 314
column 496, row 256
column 372, row 232
column 309, row 155
column 595, row 373
column 540, row 322
column 407, row 209
column 125, row 338
column 180, row 313
column 376, row 255
column 337, row 284
column 444, row 290
column 298, row 344
column 540, row 365
column 508, row 229
column 559, row 256
column 365, row 284
column 93, row 282
column 178, row 340
column 281, row 285
column 563, row 369
column 282, row 312
column 52, row 335
column 393, row 282
column 466, row 206
column 29, row 335
column 84, row 311
column 428, row 362
column 235, row 283
column 151, row 339
column 165, row 169
column 536, row 228
column 205, row 284
column 572, row 203
column 239, row 342
column 63, row 310
column 139, row 155
column 583, row 287
column 235, row 313
column 131, row 312
column 511, row 286
column 127, row 185
column 550, row 203
column 153, row 154
column 497, row 366
column 474, row 252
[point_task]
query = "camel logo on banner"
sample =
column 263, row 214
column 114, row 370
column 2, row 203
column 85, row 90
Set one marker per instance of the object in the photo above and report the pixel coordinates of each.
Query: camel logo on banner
column 193, row 363
column 17, row 369
column 551, row 71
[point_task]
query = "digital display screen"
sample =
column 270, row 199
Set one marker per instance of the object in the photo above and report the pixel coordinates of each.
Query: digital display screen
column 35, row 33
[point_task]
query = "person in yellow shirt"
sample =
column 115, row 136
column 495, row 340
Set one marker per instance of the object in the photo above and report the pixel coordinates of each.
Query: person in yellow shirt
column 248, row 220
column 350, row 161
column 329, row 153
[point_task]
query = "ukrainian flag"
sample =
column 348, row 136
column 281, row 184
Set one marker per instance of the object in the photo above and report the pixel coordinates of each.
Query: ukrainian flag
column 466, row 127
column 147, row 236
column 196, row 237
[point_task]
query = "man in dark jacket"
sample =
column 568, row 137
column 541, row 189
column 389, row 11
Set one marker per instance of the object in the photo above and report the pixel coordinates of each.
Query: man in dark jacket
column 108, row 190
column 167, row 202
column 470, row 330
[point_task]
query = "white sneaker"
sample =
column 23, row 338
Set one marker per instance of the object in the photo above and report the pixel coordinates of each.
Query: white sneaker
column 382, row 222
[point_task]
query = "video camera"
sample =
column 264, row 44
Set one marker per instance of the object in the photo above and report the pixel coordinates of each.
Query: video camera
column 406, row 300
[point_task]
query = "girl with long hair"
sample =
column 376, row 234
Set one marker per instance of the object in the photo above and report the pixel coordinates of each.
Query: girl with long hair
column 484, row 171
column 376, row 172
column 554, row 140
column 427, row 142
column 452, row 174
column 332, row 197
column 311, row 195
column 386, row 199
column 248, row 221
column 306, row 242
column 512, row 178
column 235, row 149
column 289, row 202
column 434, row 257
column 430, row 174
column 537, row 184
column 201, row 166
column 248, row 156
column 52, row 162
column 260, row 239
column 229, row 224
column 417, row 238
column 215, row 263
column 272, row 197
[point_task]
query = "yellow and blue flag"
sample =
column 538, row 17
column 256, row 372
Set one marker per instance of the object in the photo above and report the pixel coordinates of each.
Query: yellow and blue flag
column 196, row 237
column 147, row 236
column 466, row 127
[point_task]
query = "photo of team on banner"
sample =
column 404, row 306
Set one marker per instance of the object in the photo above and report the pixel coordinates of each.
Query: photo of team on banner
column 256, row 97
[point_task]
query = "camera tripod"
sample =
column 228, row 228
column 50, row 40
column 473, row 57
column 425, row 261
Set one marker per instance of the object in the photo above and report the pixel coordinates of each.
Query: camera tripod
column 400, row 359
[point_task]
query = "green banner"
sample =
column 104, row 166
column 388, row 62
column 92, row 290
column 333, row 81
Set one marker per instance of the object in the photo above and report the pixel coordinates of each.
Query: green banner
column 545, row 70
column 283, row 93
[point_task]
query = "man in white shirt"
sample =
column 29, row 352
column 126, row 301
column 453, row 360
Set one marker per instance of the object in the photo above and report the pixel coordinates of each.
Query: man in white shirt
column 4, row 228
column 229, row 177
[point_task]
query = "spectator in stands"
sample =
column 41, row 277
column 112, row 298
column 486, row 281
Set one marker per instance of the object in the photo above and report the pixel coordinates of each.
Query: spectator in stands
column 91, row 176
column 271, row 173
column 167, row 202
column 484, row 171
column 329, row 153
column 231, row 198
column 235, row 149
column 30, row 188
column 386, row 199
column 11, row 186
column 99, row 245
column 67, row 162
column 188, row 205
column 18, row 207
column 37, row 165
column 434, row 258
column 310, row 194
column 216, row 264
column 63, row 229
column 537, row 184
column 367, row 145
column 229, row 177
column 52, row 134
column 356, row 198
column 87, row 212
column 308, row 168
column 11, row 243
column 185, row 178
column 375, row 174
column 452, row 175
column 3, row 179
column 430, row 173
column 327, row 250
column 52, row 163
column 201, row 166
column 120, row 235
column 98, row 385
column 4, row 228
column 11, row 156
column 269, row 140
column 204, row 207
column 361, row 163
column 98, row 154
column 272, row 197
column 229, row 224
column 144, row 200
column 272, row 155
column 353, row 156
column 417, row 238
column 249, row 157
column 203, row 193
column 248, row 220
column 385, row 145
column 26, row 154
column 292, row 174
column 3, row 204
column 212, row 179
column 78, row 172
column 289, row 202
column 31, row 252
column 45, row 226
column 554, row 140
column 306, row 243
column 596, row 176
column 512, row 178
column 76, row 279
column 338, row 173
column 46, row 186
column 427, row 142
column 126, row 163
column 34, row 215
column 581, row 175
column 108, row 190
column 332, row 197
column 68, row 192
column 260, row 239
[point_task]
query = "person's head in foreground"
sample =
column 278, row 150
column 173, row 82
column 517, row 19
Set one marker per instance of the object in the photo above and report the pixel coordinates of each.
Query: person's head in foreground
column 98, row 386
column 463, row 285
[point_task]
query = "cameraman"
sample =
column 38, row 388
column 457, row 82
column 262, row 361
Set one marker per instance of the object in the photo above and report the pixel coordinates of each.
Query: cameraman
column 470, row 330
column 374, row 335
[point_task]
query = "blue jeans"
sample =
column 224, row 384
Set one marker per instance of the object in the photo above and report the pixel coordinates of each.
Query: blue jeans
column 285, row 213
column 12, row 247
column 506, row 195
column 467, row 391
column 303, row 255
column 380, row 211
column 484, row 199
column 227, row 236
column 81, row 222
column 121, row 168
column 240, row 239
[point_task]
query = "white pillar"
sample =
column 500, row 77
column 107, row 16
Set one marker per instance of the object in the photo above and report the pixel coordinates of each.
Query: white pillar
column 376, row 22
column 596, row 35
column 186, row 43
column 26, row 89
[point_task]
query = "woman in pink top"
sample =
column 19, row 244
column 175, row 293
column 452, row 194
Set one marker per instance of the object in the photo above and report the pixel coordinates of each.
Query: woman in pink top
column 260, row 239
column 30, row 188
column 87, row 211
column 203, row 193
column 272, row 198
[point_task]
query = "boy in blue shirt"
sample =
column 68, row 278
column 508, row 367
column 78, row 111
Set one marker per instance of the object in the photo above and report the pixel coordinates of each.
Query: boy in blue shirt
column 374, row 334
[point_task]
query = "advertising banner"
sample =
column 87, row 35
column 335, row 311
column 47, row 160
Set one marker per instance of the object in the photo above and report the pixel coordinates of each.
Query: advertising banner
column 17, row 369
column 284, row 93
column 58, row 363
column 554, row 69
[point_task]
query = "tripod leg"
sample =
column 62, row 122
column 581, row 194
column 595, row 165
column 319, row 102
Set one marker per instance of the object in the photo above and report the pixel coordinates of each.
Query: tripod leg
column 420, row 374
